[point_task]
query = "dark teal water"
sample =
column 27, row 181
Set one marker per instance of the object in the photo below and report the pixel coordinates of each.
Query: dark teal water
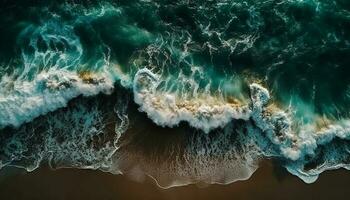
column 224, row 84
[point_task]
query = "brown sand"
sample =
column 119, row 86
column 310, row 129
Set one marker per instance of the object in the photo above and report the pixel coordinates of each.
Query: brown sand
column 267, row 183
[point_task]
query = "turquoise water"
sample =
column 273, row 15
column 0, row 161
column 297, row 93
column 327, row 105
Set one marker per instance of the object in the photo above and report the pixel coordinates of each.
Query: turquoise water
column 224, row 84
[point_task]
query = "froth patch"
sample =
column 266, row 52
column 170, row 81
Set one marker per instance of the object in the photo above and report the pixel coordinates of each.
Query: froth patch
column 48, row 91
column 204, row 112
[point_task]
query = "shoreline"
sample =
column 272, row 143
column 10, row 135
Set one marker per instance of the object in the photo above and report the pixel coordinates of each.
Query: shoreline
column 268, row 182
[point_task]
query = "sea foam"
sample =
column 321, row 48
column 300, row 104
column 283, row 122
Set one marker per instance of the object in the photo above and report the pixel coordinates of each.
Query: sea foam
column 22, row 101
column 169, row 108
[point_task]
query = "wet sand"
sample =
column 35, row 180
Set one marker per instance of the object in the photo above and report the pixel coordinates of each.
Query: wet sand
column 266, row 183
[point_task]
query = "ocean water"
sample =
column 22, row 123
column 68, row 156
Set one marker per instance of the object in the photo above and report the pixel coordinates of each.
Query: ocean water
column 182, row 91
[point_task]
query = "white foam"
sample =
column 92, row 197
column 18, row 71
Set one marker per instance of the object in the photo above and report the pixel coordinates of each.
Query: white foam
column 169, row 108
column 21, row 101
column 299, row 146
column 207, row 112
column 293, row 144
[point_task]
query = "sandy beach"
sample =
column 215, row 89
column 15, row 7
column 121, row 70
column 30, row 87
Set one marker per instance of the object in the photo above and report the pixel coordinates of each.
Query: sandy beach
column 266, row 183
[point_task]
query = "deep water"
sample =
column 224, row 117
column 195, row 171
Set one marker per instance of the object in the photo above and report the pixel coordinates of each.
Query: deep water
column 183, row 91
